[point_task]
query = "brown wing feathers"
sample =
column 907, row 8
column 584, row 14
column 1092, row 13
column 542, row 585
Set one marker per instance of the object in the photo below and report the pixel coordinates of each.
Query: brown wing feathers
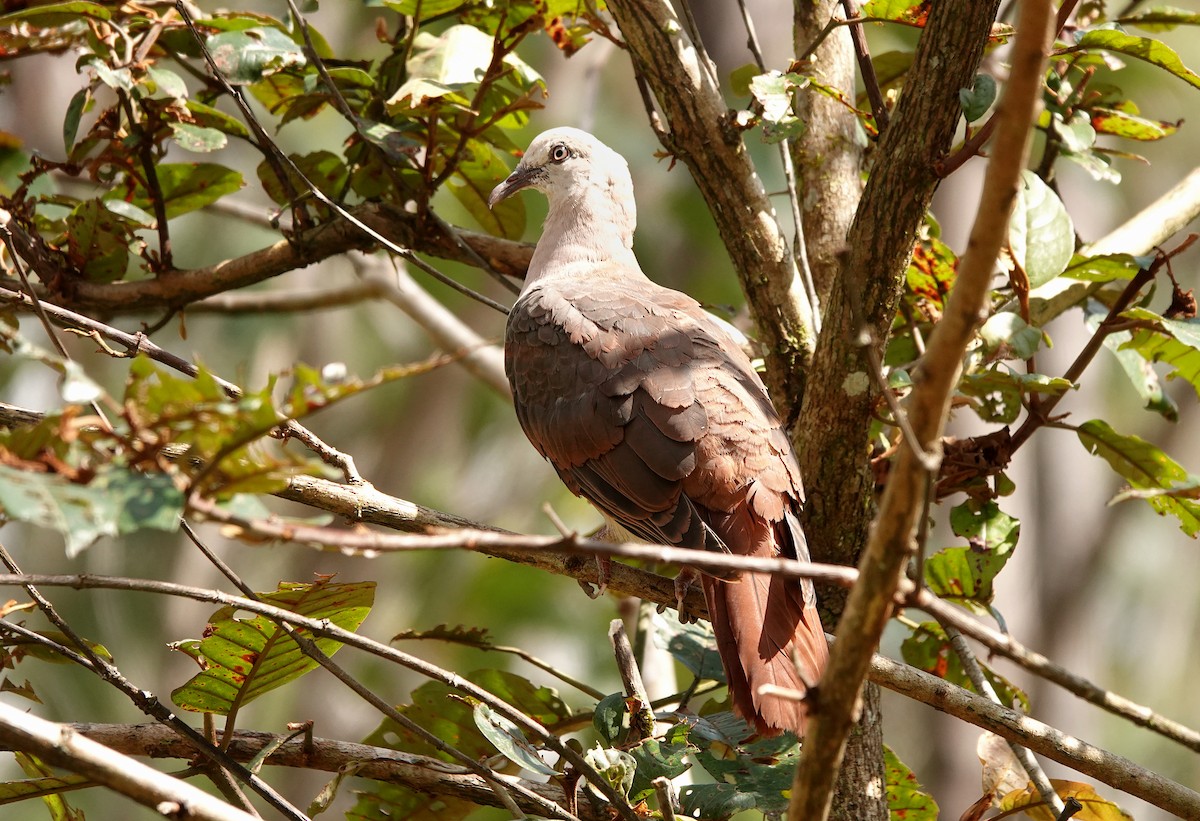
column 642, row 408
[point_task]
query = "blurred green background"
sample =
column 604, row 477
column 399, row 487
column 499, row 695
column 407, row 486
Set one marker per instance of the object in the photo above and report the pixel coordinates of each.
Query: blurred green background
column 1109, row 592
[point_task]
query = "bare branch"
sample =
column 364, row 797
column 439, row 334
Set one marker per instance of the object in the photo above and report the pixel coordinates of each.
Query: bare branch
column 1114, row 770
column 176, row 289
column 1039, row 737
column 484, row 360
column 984, row 687
column 62, row 746
column 428, row 775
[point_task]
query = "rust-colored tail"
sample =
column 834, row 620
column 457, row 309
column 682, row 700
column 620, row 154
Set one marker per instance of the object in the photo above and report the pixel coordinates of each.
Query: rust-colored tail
column 766, row 634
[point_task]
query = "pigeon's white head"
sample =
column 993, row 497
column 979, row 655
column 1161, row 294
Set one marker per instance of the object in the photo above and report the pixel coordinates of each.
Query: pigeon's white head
column 578, row 174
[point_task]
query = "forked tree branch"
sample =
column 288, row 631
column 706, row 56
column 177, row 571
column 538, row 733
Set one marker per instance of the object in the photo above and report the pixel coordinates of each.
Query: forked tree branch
column 703, row 137
column 870, row 603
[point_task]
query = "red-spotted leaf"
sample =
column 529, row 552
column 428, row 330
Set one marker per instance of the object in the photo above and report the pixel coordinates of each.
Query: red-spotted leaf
column 928, row 649
column 906, row 800
column 1123, row 123
column 965, row 574
column 246, row 657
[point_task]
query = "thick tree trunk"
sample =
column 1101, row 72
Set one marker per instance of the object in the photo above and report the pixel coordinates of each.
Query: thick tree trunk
column 828, row 161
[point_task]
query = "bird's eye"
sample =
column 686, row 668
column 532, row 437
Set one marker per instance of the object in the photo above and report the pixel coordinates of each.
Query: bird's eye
column 559, row 153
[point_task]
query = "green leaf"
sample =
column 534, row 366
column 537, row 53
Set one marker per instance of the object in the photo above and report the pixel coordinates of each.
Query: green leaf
column 209, row 117
column 905, row 797
column 965, row 575
column 450, row 65
column 1105, row 268
column 56, row 14
column 118, row 79
column 98, row 241
column 324, row 169
column 44, row 784
column 481, row 170
column 1007, row 335
column 1136, row 367
column 167, row 82
column 423, row 9
column 1146, row 468
column 773, row 91
column 901, row 10
column 666, row 758
column 80, row 103
column 248, row 55
column 891, row 67
column 1161, row 18
column 757, row 774
column 1152, row 51
column 185, row 187
column 27, row 647
column 614, row 766
column 1077, row 136
column 1175, row 342
column 198, row 138
column 998, row 392
column 692, row 645
column 116, row 501
column 611, row 718
column 977, row 99
column 713, row 801
column 245, row 658
column 1040, row 233
column 509, row 739
column 436, row 707
column 740, row 79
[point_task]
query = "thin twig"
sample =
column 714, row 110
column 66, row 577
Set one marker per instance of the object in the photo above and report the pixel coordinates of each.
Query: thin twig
column 641, row 720
column 866, row 68
column 40, row 309
column 1111, row 769
column 147, row 702
column 310, row 649
column 800, row 251
column 1108, row 326
column 984, row 687
column 62, row 746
